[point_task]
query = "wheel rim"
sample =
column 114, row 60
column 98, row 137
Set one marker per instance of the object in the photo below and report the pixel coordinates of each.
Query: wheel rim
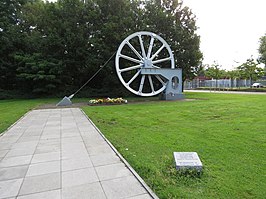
column 143, row 50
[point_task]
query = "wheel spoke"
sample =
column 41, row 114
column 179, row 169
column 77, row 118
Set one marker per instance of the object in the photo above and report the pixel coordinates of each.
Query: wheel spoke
column 133, row 78
column 130, row 68
column 151, row 84
column 134, row 50
column 130, row 58
column 141, row 83
column 157, row 52
column 160, row 79
column 161, row 60
column 155, row 66
column 142, row 47
column 150, row 47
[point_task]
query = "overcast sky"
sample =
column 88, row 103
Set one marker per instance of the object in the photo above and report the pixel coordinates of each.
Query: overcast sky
column 229, row 29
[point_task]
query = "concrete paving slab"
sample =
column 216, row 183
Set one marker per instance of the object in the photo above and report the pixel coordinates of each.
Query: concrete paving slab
column 55, row 194
column 49, row 142
column 122, row 187
column 74, row 154
column 49, row 136
column 22, row 145
column 101, row 149
column 79, row 177
column 105, row 159
column 77, row 163
column 34, row 133
column 112, row 171
column 85, row 191
column 29, row 138
column 20, row 151
column 14, row 130
column 93, row 142
column 66, row 140
column 10, row 139
column 143, row 196
column 43, row 168
column 45, row 157
column 70, row 134
column 41, row 183
column 10, row 188
column 69, row 147
column 5, row 145
column 48, row 148
column 3, row 153
column 15, row 161
column 11, row 173
column 59, row 153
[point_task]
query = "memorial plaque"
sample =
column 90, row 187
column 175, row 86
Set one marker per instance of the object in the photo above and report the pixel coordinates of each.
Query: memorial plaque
column 187, row 160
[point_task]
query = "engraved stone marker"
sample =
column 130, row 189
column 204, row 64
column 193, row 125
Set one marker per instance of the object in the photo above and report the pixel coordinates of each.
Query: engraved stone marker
column 187, row 160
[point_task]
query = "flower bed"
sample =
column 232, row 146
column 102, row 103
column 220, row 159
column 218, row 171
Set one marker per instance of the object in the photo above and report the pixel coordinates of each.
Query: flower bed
column 106, row 101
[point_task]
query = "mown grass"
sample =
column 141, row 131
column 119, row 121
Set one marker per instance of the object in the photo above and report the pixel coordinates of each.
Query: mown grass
column 227, row 130
column 12, row 110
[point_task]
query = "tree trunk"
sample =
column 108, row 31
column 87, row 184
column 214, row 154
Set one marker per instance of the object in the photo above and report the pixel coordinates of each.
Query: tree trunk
column 183, row 81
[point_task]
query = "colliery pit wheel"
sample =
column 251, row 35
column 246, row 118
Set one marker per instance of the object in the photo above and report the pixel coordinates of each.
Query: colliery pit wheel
column 139, row 53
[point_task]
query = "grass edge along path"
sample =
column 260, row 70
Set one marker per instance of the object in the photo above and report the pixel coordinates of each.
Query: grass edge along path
column 227, row 131
column 12, row 110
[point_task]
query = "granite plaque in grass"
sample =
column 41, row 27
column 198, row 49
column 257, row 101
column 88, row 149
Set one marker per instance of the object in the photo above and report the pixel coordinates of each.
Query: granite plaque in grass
column 187, row 160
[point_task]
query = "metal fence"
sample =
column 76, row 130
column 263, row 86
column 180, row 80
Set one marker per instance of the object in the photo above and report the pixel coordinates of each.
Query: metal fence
column 220, row 83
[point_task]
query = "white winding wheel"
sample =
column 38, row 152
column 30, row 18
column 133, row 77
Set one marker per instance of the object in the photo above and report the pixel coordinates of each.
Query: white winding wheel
column 139, row 51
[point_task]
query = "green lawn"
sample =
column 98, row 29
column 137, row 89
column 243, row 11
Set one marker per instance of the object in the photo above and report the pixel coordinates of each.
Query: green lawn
column 227, row 130
column 12, row 110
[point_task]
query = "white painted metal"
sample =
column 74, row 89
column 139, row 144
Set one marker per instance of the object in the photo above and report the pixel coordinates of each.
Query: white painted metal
column 146, row 59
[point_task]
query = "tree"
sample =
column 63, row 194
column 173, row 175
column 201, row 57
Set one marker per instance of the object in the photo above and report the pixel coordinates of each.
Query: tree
column 62, row 34
column 10, row 40
column 59, row 45
column 250, row 70
column 38, row 74
column 215, row 72
column 116, row 22
column 177, row 25
column 262, row 52
column 234, row 74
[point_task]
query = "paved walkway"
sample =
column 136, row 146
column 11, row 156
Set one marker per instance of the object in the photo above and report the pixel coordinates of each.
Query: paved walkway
column 57, row 153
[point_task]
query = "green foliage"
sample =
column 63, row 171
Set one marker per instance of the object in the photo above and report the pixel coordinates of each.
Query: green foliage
column 10, row 40
column 215, row 72
column 54, row 47
column 250, row 70
column 262, row 51
column 41, row 75
column 234, row 74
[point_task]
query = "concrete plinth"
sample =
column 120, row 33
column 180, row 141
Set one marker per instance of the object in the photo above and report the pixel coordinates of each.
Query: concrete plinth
column 171, row 96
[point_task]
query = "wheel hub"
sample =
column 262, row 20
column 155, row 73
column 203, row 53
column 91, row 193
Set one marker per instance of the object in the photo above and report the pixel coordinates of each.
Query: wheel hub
column 147, row 63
